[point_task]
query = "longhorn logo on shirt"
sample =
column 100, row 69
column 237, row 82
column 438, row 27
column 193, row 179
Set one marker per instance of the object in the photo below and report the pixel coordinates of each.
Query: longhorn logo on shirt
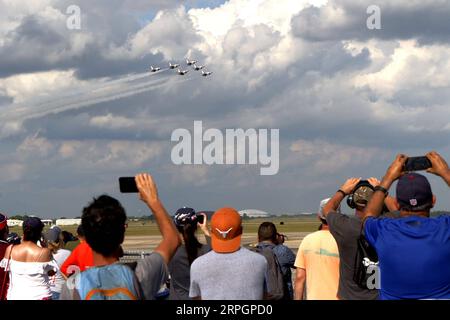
column 224, row 234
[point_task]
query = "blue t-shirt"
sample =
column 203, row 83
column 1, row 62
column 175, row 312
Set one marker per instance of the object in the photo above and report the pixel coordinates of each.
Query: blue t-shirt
column 414, row 256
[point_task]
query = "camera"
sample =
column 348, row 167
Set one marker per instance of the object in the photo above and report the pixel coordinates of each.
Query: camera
column 13, row 238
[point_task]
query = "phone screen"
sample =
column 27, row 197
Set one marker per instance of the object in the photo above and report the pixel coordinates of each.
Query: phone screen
column 128, row 185
column 417, row 164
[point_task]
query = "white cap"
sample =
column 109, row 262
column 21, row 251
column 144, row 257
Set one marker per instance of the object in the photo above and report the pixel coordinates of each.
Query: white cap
column 322, row 205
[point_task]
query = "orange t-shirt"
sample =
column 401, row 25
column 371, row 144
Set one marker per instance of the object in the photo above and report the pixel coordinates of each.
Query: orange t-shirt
column 80, row 257
column 319, row 256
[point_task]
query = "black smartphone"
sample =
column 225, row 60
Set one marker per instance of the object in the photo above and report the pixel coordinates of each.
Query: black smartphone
column 200, row 218
column 128, row 185
column 417, row 164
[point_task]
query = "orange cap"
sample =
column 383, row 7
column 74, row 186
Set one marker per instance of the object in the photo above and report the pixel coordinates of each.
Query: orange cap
column 226, row 230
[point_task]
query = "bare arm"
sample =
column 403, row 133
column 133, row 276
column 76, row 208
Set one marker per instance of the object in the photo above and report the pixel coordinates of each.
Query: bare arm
column 439, row 166
column 299, row 287
column 375, row 205
column 335, row 201
column 149, row 194
column 389, row 202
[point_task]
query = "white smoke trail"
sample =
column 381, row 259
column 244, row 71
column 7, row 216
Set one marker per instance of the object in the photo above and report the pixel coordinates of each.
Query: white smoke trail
column 110, row 91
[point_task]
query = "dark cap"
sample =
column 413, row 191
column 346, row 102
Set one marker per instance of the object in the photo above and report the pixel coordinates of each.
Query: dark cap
column 33, row 223
column 185, row 216
column 414, row 192
column 3, row 221
column 53, row 235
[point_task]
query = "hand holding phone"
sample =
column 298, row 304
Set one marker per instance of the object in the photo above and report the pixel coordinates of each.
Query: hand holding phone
column 200, row 218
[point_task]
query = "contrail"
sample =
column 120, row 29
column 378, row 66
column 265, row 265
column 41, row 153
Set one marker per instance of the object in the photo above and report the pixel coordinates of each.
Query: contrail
column 110, row 91
column 98, row 87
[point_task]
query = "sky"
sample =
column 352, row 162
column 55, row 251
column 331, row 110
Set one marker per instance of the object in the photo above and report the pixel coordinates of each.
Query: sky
column 79, row 109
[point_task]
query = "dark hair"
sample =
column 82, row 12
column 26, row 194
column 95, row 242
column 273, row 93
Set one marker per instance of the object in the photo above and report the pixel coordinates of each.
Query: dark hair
column 267, row 231
column 103, row 222
column 80, row 231
column 191, row 243
column 33, row 234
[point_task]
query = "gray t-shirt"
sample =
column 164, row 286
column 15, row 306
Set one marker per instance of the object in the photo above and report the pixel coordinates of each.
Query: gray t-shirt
column 239, row 275
column 179, row 270
column 150, row 274
column 346, row 231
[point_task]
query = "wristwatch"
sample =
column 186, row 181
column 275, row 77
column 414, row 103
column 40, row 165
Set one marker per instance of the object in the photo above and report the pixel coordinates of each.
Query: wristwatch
column 343, row 193
column 382, row 189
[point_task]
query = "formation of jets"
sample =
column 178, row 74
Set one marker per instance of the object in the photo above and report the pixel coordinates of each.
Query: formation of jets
column 192, row 63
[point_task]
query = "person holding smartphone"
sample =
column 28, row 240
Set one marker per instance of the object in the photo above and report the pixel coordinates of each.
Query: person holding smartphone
column 187, row 220
column 104, row 225
column 414, row 250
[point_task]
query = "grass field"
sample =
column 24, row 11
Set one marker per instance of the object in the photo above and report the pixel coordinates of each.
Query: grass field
column 284, row 225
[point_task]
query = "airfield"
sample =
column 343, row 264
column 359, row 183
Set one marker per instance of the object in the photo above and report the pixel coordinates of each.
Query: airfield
column 144, row 236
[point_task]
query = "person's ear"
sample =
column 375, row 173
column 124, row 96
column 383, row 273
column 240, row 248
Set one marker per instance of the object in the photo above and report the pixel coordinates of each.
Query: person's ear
column 433, row 201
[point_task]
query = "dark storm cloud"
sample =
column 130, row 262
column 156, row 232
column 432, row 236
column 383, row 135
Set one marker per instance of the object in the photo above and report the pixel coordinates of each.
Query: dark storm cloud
column 426, row 21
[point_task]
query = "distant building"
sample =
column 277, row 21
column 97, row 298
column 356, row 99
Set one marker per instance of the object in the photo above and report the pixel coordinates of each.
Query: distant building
column 68, row 222
column 47, row 222
column 253, row 213
column 14, row 223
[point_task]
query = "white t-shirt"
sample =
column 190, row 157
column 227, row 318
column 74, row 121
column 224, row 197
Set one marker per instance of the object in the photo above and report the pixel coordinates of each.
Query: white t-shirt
column 58, row 280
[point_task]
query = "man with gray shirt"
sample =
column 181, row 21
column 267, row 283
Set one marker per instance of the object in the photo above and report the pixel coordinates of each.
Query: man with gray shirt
column 229, row 272
column 346, row 230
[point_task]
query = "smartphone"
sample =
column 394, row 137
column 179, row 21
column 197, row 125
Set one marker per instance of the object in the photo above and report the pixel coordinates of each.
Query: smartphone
column 200, row 218
column 128, row 185
column 417, row 164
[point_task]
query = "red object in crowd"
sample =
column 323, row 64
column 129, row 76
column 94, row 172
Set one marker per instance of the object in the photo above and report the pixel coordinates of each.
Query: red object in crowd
column 81, row 258
column 4, row 277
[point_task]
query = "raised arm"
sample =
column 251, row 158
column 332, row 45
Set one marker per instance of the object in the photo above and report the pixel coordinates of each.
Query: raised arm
column 439, row 166
column 375, row 205
column 333, row 204
column 148, row 193
column 389, row 202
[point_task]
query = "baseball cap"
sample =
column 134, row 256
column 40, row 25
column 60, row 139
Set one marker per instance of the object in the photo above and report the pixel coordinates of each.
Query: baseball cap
column 185, row 216
column 362, row 195
column 322, row 205
column 3, row 221
column 226, row 230
column 414, row 192
column 33, row 223
column 53, row 234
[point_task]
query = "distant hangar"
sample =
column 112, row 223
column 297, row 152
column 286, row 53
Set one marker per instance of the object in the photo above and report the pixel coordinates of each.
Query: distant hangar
column 254, row 213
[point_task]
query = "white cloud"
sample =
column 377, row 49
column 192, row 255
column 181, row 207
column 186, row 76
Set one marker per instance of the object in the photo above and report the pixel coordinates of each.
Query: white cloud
column 34, row 146
column 112, row 122
column 40, row 85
